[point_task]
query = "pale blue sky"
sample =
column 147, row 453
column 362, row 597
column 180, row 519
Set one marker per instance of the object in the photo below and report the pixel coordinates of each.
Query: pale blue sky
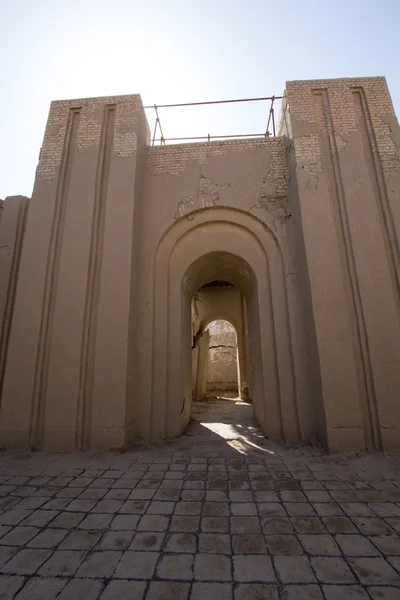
column 178, row 51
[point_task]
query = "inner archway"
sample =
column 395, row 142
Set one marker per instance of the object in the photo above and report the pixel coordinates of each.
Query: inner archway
column 227, row 292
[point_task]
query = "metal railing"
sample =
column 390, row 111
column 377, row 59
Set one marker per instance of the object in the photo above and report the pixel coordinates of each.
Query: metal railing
column 162, row 139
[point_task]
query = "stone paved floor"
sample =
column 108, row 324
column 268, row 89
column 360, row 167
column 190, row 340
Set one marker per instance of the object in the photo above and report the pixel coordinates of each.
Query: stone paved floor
column 222, row 513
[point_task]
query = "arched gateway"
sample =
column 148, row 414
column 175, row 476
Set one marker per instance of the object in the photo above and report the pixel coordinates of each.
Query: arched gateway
column 242, row 251
column 100, row 267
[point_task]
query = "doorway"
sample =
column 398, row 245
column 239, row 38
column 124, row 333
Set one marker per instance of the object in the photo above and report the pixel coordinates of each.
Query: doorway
column 226, row 246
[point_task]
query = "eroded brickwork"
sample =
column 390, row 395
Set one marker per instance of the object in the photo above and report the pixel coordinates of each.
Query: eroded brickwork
column 344, row 109
column 90, row 111
column 269, row 167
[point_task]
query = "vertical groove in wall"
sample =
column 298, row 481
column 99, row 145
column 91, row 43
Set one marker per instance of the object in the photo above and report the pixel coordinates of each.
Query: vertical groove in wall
column 86, row 375
column 11, row 290
column 378, row 182
column 52, row 270
column 330, row 154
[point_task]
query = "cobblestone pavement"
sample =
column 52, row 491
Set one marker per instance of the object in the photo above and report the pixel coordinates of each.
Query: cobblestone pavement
column 222, row 513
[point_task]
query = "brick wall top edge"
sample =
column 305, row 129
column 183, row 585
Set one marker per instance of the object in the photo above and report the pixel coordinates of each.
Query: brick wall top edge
column 97, row 99
column 337, row 80
column 217, row 143
column 8, row 198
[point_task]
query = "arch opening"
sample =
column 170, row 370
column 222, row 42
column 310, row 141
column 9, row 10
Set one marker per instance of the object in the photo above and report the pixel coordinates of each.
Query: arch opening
column 220, row 349
column 231, row 250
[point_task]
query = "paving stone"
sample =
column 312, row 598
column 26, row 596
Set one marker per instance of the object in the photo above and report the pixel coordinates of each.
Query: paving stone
column 81, row 540
column 176, row 566
column 289, row 496
column 239, row 496
column 118, row 494
column 357, row 509
column 303, row 592
column 123, row 522
column 212, row 567
column 26, row 561
column 352, row 592
column 108, row 506
column 244, row 508
column 96, row 521
column 326, row 509
column 160, row 508
column 48, row 538
column 316, row 496
column 163, row 590
column 99, row 564
column 115, row 540
column 6, row 552
column 136, row 565
column 214, row 524
column 294, row 569
column 19, row 536
column 332, row 570
column 9, row 585
column 81, row 589
column 276, row 525
column 174, row 495
column 184, row 524
column 356, row 545
column 214, row 543
column 387, row 544
column 68, row 520
column 257, row 567
column 13, row 517
column 339, row 525
column 271, row 509
column 374, row 570
column 181, row 542
column 384, row 593
column 283, row 545
column 299, row 509
column 39, row 589
column 208, row 591
column 215, row 509
column 256, row 591
column 245, row 525
column 62, row 562
column 81, row 505
column 370, row 526
column 134, row 507
column 124, row 590
column 319, row 544
column 147, row 541
column 393, row 523
column 385, row 509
